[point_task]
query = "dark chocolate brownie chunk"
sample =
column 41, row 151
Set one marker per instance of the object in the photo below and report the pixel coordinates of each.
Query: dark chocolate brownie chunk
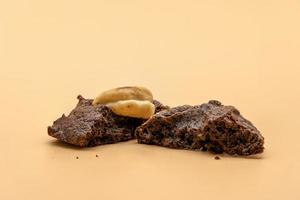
column 208, row 127
column 159, row 106
column 89, row 125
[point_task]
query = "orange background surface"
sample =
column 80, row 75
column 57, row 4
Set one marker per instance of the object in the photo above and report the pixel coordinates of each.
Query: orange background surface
column 243, row 53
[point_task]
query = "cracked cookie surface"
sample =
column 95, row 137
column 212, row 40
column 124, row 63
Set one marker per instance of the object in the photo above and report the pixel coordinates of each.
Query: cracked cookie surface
column 208, row 127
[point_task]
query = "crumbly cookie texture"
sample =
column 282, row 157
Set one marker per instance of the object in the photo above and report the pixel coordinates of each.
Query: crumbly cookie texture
column 89, row 125
column 208, row 127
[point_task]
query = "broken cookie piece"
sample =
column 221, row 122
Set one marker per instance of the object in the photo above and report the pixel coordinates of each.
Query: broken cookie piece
column 159, row 106
column 208, row 127
column 89, row 125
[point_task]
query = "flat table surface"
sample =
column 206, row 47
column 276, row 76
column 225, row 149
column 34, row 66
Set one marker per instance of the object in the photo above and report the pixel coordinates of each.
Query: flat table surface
column 243, row 53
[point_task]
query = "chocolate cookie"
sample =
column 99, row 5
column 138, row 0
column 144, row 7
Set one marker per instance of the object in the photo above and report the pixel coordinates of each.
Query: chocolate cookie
column 208, row 127
column 89, row 125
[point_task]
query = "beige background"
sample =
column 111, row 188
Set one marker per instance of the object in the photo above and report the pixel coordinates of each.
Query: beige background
column 244, row 53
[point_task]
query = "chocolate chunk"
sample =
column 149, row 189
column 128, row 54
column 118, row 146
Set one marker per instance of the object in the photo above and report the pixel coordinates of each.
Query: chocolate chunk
column 89, row 125
column 217, row 158
column 159, row 106
column 208, row 127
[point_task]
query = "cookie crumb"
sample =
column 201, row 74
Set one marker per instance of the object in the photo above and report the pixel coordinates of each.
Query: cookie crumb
column 217, row 158
column 96, row 155
column 77, row 157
